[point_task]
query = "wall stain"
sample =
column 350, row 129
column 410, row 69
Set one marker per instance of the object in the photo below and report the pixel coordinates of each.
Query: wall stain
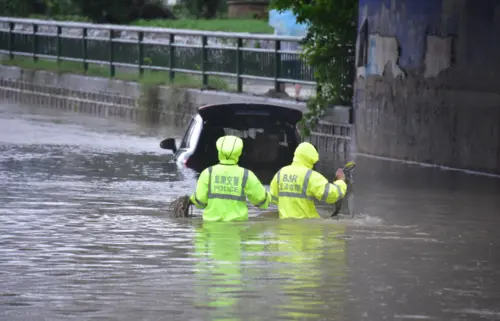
column 429, row 89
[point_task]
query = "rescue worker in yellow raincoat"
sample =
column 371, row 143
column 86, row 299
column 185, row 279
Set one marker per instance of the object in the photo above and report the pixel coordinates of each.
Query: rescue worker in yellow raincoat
column 295, row 187
column 222, row 190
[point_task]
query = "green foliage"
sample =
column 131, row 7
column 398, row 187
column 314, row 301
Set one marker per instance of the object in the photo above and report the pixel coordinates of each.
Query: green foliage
column 206, row 9
column 228, row 25
column 60, row 17
column 122, row 11
column 60, row 7
column 330, row 48
column 180, row 10
column 21, row 8
column 109, row 11
column 39, row 8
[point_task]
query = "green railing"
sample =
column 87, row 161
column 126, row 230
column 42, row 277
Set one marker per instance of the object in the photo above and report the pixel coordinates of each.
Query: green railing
column 239, row 56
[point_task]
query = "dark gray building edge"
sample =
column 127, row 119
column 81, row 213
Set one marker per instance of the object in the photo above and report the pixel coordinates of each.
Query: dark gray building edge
column 427, row 86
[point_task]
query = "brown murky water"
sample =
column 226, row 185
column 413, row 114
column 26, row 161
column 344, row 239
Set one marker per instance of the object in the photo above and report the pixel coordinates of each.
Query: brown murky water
column 83, row 236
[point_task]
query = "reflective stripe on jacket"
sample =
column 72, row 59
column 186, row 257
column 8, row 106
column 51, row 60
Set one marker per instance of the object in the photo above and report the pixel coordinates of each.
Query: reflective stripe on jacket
column 222, row 190
column 295, row 187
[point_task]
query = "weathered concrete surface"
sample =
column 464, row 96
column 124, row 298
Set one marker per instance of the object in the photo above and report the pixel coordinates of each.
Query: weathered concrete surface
column 427, row 84
column 195, row 97
column 170, row 106
column 188, row 98
column 158, row 45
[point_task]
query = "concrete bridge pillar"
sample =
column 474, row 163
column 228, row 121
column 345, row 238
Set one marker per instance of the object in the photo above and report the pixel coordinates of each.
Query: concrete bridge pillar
column 428, row 81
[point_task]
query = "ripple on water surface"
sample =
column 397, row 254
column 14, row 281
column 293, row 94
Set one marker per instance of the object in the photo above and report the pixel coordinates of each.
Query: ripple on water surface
column 82, row 236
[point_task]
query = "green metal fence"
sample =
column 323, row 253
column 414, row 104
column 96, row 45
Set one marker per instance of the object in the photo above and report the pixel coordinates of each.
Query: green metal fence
column 241, row 56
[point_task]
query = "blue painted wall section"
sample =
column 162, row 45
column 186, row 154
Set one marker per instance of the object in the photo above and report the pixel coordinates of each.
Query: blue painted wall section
column 410, row 21
column 427, row 86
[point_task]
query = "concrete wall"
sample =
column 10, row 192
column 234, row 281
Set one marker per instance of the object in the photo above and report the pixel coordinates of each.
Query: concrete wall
column 106, row 97
column 126, row 94
column 427, row 84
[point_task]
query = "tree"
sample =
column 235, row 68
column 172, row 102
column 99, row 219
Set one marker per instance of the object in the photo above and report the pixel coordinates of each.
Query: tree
column 22, row 8
column 102, row 11
column 206, row 9
column 122, row 11
column 329, row 47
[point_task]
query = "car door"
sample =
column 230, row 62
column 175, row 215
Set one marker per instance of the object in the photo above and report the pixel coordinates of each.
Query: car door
column 185, row 142
column 190, row 140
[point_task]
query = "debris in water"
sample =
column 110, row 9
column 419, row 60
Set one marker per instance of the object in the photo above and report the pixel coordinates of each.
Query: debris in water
column 180, row 208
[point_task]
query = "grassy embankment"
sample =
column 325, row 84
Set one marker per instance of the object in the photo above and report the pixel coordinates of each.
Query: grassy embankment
column 222, row 24
column 227, row 25
column 148, row 78
column 152, row 77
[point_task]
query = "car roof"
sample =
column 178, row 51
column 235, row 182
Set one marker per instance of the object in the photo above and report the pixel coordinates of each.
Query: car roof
column 227, row 113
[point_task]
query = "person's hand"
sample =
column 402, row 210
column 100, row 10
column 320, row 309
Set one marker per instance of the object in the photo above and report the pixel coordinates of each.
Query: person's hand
column 187, row 200
column 339, row 174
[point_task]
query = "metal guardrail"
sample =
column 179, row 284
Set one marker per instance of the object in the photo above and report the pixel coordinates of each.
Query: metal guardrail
column 161, row 54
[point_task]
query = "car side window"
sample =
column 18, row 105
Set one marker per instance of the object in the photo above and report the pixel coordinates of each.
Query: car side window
column 187, row 136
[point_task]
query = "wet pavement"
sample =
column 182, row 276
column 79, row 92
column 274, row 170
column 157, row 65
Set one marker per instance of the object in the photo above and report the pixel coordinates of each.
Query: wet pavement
column 84, row 236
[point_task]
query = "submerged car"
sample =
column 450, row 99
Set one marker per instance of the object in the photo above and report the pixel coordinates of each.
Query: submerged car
column 269, row 135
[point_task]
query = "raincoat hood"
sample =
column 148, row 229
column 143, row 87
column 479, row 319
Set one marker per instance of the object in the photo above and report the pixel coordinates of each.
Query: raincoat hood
column 306, row 155
column 229, row 148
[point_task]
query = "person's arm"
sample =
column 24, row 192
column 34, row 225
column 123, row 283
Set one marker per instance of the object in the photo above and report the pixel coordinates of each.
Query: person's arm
column 256, row 192
column 327, row 192
column 274, row 189
column 200, row 196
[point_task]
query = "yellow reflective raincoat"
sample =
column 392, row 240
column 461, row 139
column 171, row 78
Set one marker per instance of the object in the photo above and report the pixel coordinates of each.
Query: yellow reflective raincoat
column 295, row 187
column 222, row 189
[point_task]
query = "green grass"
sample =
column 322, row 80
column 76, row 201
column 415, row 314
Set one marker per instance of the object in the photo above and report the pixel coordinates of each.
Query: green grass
column 227, row 25
column 61, row 18
column 149, row 77
column 219, row 24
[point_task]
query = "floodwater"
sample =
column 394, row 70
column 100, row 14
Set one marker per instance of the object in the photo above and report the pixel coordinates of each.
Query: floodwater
column 83, row 236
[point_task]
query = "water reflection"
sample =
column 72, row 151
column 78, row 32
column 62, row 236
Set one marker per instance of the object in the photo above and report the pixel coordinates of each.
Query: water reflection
column 270, row 270
column 219, row 251
column 83, row 235
column 310, row 254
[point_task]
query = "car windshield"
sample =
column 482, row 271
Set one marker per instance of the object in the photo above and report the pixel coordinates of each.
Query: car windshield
column 263, row 148
column 258, row 133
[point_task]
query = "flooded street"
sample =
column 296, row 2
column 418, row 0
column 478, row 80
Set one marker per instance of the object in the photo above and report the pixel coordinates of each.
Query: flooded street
column 84, row 236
